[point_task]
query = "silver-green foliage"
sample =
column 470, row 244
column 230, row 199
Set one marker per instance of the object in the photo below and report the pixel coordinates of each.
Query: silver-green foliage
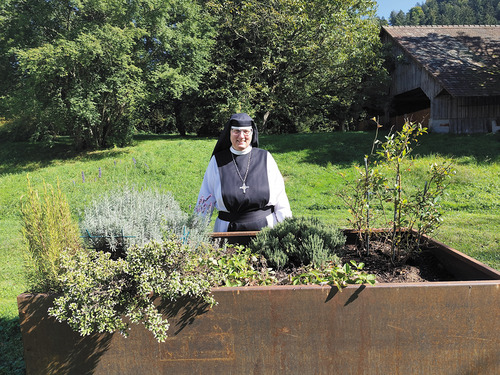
column 100, row 294
column 299, row 241
column 130, row 216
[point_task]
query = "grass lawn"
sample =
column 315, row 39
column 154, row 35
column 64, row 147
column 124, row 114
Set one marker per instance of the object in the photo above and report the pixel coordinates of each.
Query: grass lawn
column 311, row 164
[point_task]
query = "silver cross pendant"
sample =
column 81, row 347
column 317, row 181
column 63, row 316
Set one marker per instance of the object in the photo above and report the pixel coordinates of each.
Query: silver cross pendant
column 244, row 187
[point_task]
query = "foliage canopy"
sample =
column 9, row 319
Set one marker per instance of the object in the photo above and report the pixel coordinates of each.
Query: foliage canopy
column 94, row 69
column 449, row 12
column 297, row 65
column 99, row 70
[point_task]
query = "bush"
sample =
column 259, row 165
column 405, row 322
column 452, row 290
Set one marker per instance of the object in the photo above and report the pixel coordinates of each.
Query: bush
column 128, row 216
column 298, row 241
column 238, row 266
column 98, row 292
column 382, row 194
column 48, row 230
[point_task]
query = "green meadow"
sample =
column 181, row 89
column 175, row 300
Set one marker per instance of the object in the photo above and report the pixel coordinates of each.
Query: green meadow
column 312, row 165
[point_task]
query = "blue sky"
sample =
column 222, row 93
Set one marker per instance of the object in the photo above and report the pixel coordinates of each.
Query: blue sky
column 385, row 7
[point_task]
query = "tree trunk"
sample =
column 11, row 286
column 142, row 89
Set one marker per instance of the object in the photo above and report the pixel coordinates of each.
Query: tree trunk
column 264, row 122
column 179, row 122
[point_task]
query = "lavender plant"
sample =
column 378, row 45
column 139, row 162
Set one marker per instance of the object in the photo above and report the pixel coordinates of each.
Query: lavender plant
column 131, row 216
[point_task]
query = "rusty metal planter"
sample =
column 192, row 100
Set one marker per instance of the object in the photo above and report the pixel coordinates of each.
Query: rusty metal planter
column 420, row 328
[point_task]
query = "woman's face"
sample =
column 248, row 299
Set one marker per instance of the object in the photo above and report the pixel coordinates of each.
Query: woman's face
column 241, row 138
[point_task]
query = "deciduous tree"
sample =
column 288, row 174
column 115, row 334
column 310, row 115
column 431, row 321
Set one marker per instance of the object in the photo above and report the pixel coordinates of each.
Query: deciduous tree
column 293, row 65
column 93, row 69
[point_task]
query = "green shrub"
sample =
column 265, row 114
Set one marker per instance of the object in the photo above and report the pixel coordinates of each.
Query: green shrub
column 48, row 229
column 298, row 241
column 127, row 216
column 238, row 266
column 98, row 292
column 382, row 194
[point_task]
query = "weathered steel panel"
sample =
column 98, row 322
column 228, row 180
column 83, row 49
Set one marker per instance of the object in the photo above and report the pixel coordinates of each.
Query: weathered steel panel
column 426, row 328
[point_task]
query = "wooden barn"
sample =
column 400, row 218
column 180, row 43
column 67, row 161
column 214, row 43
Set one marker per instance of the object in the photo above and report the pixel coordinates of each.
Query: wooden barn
column 447, row 77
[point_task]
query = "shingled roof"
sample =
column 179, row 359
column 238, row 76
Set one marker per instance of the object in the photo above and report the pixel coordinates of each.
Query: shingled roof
column 464, row 59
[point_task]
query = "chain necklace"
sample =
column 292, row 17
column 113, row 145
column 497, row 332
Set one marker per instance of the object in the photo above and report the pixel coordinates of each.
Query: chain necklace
column 243, row 187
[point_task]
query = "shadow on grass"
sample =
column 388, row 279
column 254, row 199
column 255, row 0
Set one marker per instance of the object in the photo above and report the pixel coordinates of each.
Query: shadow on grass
column 11, row 347
column 350, row 147
column 340, row 148
column 18, row 157
column 473, row 149
column 322, row 148
column 167, row 137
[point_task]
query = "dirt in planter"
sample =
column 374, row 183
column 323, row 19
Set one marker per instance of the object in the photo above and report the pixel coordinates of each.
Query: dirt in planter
column 421, row 266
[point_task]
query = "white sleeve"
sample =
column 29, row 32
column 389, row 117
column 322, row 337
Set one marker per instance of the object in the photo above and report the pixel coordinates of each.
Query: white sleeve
column 210, row 196
column 206, row 197
column 277, row 193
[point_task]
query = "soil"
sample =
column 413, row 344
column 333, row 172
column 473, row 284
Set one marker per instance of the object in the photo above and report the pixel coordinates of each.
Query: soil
column 421, row 266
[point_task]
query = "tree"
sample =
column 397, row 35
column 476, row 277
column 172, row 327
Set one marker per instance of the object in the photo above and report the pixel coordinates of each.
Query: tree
column 180, row 37
column 293, row 65
column 416, row 16
column 397, row 19
column 87, row 87
column 93, row 69
column 450, row 12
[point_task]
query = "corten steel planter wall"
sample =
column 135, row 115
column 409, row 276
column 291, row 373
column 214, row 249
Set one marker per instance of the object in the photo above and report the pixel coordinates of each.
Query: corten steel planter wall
column 421, row 328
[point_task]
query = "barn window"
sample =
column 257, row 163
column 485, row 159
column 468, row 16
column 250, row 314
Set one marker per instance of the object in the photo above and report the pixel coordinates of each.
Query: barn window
column 410, row 102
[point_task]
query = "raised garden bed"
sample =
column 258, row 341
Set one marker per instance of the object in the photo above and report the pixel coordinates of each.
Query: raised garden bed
column 445, row 327
column 437, row 262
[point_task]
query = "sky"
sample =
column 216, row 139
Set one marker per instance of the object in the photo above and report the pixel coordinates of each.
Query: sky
column 385, row 7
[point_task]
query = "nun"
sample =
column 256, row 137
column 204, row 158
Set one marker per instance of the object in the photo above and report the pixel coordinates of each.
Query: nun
column 242, row 181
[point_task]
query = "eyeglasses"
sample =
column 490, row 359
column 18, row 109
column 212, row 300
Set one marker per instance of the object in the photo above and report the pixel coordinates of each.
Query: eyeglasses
column 245, row 132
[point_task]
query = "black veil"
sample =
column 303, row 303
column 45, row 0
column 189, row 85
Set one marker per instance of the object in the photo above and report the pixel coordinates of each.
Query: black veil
column 237, row 120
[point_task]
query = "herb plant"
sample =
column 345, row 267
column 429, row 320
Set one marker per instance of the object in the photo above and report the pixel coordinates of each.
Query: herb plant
column 334, row 274
column 48, row 230
column 129, row 216
column 298, row 241
column 99, row 292
column 238, row 266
